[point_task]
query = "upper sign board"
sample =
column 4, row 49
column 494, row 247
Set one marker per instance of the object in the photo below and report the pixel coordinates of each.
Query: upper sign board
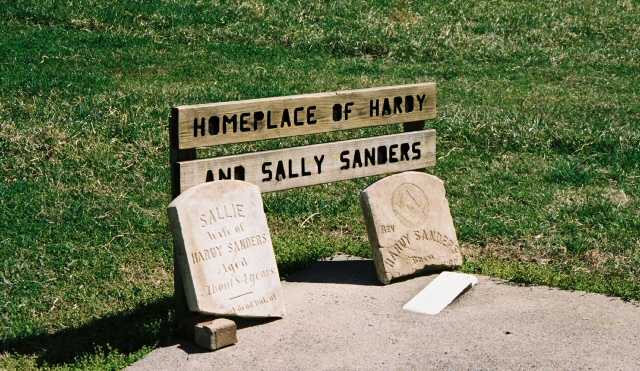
column 206, row 125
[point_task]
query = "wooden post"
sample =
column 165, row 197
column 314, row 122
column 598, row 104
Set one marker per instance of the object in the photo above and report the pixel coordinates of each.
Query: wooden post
column 176, row 155
column 414, row 126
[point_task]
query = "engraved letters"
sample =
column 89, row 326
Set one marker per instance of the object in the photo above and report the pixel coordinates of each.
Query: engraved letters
column 225, row 253
column 409, row 225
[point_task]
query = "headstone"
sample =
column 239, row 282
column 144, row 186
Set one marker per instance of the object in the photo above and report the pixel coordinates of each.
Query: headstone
column 440, row 292
column 224, row 251
column 409, row 226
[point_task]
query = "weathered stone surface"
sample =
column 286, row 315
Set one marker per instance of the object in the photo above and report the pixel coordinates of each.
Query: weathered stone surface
column 224, row 251
column 409, row 225
column 216, row 334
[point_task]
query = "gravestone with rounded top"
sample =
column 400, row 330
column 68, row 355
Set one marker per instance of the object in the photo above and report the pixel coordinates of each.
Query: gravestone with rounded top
column 224, row 251
column 409, row 225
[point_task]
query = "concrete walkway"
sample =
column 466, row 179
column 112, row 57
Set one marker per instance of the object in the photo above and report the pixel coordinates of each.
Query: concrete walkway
column 340, row 317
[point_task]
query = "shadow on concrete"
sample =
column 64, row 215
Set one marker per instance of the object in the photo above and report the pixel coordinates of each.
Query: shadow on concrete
column 153, row 323
column 148, row 325
column 348, row 272
column 186, row 343
column 187, row 346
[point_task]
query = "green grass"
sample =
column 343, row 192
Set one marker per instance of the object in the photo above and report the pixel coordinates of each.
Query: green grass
column 538, row 144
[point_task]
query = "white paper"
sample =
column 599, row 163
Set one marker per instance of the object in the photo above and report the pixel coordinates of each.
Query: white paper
column 440, row 292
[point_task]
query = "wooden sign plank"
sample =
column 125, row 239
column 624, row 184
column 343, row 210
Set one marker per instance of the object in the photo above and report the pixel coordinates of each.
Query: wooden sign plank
column 316, row 164
column 249, row 120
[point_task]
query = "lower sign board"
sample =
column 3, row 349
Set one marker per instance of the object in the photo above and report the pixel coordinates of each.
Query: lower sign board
column 316, row 164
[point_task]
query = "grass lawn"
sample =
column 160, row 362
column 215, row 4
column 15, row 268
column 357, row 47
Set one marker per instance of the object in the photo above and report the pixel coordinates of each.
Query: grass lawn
column 538, row 145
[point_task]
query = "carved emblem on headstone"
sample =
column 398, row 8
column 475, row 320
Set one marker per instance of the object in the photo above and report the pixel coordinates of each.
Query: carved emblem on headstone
column 225, row 252
column 410, row 205
column 409, row 225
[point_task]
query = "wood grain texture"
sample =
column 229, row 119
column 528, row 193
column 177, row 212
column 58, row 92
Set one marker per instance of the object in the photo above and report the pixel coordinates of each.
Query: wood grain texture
column 250, row 120
column 176, row 155
column 316, row 164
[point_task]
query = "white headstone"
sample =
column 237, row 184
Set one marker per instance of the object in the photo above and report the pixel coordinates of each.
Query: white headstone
column 224, row 251
column 409, row 225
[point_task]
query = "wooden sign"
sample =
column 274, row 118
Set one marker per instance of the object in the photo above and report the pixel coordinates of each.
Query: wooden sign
column 249, row 120
column 321, row 163
column 207, row 125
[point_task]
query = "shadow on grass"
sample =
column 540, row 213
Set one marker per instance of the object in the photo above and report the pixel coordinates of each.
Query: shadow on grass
column 148, row 325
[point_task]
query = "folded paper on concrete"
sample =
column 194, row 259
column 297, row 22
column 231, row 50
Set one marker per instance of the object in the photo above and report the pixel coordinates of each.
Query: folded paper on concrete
column 409, row 225
column 224, row 250
column 440, row 292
